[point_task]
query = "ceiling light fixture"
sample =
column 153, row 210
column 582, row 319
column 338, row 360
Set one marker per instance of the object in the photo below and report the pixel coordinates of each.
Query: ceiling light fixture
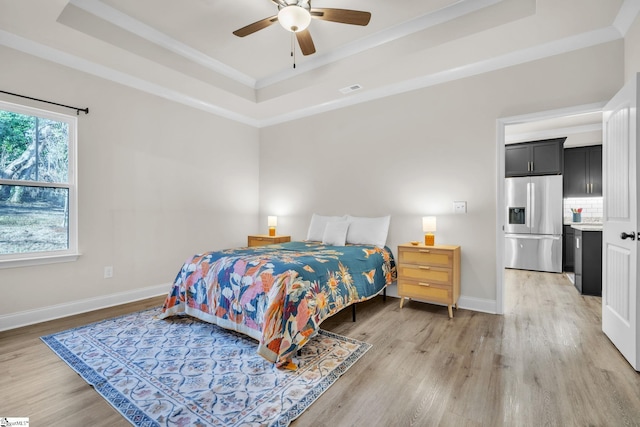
column 294, row 18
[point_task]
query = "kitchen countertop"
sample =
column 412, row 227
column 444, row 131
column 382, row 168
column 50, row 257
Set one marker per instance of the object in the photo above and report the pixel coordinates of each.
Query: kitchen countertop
column 587, row 226
column 567, row 220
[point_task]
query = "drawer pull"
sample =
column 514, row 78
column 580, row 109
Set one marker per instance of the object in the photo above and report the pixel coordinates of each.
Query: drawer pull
column 426, row 251
column 424, row 284
column 423, row 267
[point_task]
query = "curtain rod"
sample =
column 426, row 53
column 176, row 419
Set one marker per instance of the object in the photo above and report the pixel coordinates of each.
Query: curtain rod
column 84, row 110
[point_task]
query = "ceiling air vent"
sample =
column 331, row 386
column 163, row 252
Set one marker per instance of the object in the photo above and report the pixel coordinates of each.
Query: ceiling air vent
column 349, row 89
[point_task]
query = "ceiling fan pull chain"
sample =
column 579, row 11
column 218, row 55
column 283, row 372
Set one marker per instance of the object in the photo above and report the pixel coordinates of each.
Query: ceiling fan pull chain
column 293, row 48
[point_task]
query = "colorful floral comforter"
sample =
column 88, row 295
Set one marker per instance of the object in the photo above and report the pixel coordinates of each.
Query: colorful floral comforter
column 278, row 294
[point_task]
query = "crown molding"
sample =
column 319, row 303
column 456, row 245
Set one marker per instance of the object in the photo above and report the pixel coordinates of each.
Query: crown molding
column 115, row 17
column 568, row 44
column 385, row 36
column 565, row 45
column 626, row 16
column 57, row 56
column 127, row 23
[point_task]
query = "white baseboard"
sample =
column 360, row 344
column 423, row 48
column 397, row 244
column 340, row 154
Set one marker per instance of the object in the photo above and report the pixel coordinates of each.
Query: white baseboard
column 29, row 317
column 478, row 304
column 468, row 303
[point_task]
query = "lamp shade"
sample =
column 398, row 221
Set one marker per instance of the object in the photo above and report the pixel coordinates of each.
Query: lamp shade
column 272, row 221
column 294, row 18
column 429, row 224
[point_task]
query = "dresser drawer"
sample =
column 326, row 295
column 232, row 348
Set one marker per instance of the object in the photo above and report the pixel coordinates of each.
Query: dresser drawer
column 422, row 256
column 425, row 273
column 259, row 240
column 419, row 290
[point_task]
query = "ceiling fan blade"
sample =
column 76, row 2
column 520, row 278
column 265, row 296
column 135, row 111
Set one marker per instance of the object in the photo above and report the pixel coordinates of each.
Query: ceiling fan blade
column 306, row 42
column 344, row 16
column 256, row 26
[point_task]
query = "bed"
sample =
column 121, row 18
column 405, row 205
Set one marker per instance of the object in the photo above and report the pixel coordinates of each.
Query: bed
column 279, row 294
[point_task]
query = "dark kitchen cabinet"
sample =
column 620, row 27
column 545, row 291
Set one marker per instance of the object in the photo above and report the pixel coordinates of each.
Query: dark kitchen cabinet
column 568, row 253
column 543, row 157
column 583, row 171
column 588, row 262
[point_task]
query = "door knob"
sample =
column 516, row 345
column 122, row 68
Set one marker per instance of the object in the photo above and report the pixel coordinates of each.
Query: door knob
column 631, row 235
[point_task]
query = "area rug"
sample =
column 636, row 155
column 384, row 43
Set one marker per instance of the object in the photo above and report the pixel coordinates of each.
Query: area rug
column 184, row 372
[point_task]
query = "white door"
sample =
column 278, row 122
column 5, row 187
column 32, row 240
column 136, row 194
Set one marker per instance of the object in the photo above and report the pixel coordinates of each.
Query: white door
column 619, row 239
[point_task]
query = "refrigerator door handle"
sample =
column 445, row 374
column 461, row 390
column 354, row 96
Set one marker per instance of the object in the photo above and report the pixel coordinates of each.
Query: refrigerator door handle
column 532, row 204
column 533, row 236
column 527, row 212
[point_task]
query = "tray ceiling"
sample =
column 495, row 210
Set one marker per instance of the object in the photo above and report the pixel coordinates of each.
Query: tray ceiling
column 186, row 51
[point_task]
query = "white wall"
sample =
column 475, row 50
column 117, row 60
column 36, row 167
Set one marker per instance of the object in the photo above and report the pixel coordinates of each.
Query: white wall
column 158, row 182
column 414, row 154
column 632, row 50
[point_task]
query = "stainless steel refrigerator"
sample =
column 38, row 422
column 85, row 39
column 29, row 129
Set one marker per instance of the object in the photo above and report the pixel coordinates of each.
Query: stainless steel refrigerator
column 533, row 229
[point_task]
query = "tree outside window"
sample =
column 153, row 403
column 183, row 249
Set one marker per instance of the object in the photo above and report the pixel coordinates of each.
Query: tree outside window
column 37, row 189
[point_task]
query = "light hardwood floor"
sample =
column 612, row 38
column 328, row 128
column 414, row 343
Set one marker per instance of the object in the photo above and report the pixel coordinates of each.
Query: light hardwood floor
column 545, row 362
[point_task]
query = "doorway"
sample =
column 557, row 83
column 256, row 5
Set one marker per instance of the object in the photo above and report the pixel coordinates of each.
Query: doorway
column 579, row 123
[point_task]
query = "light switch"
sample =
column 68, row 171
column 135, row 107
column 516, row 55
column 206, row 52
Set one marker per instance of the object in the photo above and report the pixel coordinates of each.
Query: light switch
column 459, row 207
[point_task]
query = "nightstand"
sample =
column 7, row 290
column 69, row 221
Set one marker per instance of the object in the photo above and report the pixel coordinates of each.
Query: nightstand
column 265, row 239
column 429, row 273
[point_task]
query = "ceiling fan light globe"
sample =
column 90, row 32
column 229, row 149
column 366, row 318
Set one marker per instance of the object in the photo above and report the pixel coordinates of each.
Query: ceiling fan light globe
column 294, row 18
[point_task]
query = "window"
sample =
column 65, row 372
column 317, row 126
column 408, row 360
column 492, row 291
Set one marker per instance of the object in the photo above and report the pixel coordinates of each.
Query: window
column 38, row 206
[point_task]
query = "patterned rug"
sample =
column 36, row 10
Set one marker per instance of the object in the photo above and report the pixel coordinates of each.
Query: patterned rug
column 184, row 372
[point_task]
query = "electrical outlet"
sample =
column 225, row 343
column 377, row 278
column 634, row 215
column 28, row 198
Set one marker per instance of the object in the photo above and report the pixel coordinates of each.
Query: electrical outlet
column 108, row 272
column 459, row 207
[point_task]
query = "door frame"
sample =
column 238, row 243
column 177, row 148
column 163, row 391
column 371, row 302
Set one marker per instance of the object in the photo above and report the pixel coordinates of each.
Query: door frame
column 501, row 124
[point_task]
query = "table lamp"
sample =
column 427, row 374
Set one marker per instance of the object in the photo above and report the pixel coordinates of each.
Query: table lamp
column 272, row 222
column 429, row 227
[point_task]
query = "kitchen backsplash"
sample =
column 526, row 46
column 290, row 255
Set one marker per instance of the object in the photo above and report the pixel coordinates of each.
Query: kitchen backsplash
column 591, row 208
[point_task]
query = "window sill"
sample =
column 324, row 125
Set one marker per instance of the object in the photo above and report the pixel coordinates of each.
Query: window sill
column 42, row 260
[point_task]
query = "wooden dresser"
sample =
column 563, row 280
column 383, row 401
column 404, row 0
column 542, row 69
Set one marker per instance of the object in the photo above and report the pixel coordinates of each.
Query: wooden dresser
column 429, row 273
column 265, row 239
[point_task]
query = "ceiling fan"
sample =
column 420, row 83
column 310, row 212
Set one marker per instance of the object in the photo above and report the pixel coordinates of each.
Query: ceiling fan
column 295, row 16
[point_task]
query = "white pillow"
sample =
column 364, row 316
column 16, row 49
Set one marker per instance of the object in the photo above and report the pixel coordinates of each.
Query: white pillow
column 335, row 233
column 368, row 231
column 317, row 225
